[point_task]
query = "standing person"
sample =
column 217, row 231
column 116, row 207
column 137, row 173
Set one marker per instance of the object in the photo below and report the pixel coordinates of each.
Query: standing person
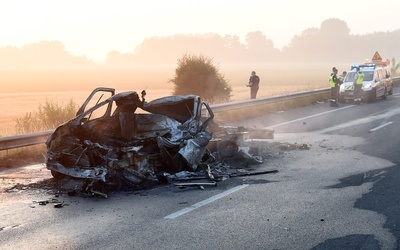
column 342, row 76
column 253, row 84
column 358, row 81
column 334, row 83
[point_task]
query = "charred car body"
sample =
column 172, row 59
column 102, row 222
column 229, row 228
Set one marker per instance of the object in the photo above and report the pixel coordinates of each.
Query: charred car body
column 110, row 143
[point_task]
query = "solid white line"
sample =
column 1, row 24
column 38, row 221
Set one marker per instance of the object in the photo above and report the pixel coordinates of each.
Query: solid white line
column 381, row 126
column 204, row 202
column 311, row 116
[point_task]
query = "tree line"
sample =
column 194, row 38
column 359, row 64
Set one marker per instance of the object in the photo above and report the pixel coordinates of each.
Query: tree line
column 331, row 42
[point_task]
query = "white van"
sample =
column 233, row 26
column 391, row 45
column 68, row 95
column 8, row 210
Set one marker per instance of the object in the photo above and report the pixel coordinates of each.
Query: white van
column 377, row 83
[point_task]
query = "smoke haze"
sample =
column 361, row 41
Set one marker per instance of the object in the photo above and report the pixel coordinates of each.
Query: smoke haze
column 47, row 66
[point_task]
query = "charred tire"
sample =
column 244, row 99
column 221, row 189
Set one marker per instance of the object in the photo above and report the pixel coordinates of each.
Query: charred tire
column 57, row 175
column 228, row 148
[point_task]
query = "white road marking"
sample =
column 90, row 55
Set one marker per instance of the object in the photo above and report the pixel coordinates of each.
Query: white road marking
column 311, row 116
column 387, row 115
column 205, row 202
column 381, row 126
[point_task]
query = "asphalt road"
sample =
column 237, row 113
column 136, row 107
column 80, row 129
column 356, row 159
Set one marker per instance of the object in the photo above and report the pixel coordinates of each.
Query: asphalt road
column 341, row 193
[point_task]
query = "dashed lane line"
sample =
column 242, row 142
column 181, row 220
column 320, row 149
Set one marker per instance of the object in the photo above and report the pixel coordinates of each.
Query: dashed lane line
column 381, row 126
column 311, row 116
column 205, row 202
column 386, row 115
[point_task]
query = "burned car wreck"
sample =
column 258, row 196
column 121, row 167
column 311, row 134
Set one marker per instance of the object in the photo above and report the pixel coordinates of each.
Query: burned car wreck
column 123, row 140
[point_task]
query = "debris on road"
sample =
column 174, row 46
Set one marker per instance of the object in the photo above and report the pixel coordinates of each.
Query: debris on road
column 109, row 145
column 196, row 184
column 56, row 203
column 288, row 146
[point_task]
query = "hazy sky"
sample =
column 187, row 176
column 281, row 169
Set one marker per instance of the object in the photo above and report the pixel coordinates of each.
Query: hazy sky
column 95, row 27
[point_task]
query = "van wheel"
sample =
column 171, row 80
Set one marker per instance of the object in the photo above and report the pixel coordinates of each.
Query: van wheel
column 371, row 97
column 385, row 94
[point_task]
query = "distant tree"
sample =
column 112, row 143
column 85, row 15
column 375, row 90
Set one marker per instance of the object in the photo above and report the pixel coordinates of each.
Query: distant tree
column 336, row 26
column 259, row 48
column 395, row 66
column 236, row 51
column 167, row 49
column 115, row 57
column 327, row 43
column 197, row 75
column 44, row 54
column 300, row 46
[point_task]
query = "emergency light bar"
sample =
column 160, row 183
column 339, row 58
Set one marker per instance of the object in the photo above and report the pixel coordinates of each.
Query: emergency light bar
column 367, row 65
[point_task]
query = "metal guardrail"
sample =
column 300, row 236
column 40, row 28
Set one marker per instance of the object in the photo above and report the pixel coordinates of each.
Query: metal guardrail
column 267, row 100
column 24, row 140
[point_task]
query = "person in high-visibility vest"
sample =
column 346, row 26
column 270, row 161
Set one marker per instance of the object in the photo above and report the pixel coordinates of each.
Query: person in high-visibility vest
column 342, row 76
column 334, row 83
column 358, row 81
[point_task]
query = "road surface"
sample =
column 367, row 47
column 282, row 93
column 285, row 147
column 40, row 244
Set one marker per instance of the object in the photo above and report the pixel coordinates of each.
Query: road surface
column 338, row 193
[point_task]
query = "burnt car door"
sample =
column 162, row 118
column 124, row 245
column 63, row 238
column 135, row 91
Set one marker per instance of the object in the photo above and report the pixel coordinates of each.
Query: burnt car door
column 91, row 100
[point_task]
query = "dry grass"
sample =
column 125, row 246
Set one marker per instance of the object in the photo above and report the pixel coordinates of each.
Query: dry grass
column 22, row 156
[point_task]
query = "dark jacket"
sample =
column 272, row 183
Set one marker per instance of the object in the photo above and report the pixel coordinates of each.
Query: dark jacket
column 254, row 80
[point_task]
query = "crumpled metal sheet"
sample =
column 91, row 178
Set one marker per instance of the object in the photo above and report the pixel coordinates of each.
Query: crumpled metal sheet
column 170, row 135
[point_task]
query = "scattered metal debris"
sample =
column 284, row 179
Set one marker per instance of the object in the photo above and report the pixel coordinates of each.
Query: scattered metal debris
column 110, row 145
column 288, row 146
column 196, row 184
column 56, row 203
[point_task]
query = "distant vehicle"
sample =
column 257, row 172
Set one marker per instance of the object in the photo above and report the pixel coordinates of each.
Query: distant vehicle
column 377, row 82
